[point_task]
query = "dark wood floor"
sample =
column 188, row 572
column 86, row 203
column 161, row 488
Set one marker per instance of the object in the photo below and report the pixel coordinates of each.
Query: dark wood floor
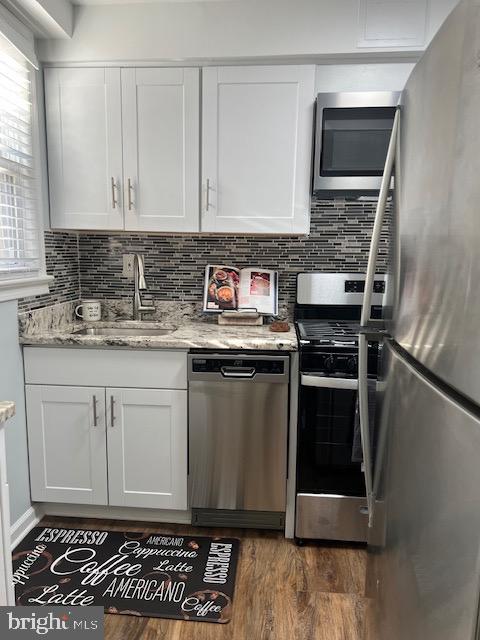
column 282, row 592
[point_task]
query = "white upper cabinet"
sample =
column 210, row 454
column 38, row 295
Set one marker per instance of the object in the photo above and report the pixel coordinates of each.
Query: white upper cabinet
column 256, row 153
column 161, row 121
column 123, row 148
column 83, row 112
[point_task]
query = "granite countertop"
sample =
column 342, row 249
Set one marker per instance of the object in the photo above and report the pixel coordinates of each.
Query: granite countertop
column 7, row 410
column 186, row 335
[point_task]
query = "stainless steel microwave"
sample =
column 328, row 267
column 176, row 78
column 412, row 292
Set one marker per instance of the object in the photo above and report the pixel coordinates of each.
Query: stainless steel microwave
column 352, row 132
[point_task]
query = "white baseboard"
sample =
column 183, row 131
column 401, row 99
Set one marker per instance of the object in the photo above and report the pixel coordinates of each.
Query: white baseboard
column 24, row 524
column 115, row 513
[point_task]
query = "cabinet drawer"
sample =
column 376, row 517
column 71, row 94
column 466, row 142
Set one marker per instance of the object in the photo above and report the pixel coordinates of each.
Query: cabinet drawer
column 106, row 367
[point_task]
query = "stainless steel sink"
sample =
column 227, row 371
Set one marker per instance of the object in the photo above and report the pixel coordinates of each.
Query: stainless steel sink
column 121, row 331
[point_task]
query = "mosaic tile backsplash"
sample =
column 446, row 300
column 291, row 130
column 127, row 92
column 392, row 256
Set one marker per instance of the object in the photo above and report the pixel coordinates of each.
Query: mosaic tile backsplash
column 61, row 254
column 174, row 265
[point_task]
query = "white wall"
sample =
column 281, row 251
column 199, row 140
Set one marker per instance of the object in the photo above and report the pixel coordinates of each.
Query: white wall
column 172, row 31
column 12, row 388
column 362, row 77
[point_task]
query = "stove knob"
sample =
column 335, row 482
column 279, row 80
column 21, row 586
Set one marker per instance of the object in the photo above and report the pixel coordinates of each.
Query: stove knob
column 352, row 364
column 329, row 363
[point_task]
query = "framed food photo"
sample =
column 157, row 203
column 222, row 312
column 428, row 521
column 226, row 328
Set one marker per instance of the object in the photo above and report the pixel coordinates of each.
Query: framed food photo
column 228, row 288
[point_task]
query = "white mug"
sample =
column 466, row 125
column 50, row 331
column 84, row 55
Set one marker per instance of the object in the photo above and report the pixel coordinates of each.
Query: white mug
column 91, row 310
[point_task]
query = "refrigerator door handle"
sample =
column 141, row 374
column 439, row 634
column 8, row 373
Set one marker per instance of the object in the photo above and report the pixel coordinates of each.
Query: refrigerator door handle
column 364, row 422
column 377, row 226
column 365, row 319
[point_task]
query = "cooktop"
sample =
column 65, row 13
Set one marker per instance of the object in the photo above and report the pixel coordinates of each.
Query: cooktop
column 329, row 332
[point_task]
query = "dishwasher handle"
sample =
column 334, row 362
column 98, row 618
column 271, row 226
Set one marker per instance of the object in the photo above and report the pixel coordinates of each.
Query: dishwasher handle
column 238, row 372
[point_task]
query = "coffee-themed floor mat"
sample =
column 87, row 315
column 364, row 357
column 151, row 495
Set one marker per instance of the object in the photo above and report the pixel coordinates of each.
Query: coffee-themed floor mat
column 127, row 572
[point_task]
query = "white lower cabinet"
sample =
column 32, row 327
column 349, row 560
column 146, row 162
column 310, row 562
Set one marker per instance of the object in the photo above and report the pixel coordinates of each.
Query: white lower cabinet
column 105, row 445
column 67, row 444
column 147, row 448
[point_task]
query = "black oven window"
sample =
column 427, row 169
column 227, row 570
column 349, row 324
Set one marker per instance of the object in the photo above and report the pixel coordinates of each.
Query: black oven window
column 326, row 440
column 355, row 141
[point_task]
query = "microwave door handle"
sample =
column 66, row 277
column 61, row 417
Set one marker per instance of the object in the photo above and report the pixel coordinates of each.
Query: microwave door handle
column 378, row 224
column 364, row 418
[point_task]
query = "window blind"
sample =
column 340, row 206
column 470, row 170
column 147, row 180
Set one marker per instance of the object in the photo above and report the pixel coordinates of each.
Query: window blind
column 19, row 246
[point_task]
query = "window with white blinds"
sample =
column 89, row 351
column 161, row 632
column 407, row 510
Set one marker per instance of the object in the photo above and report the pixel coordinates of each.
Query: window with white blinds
column 19, row 244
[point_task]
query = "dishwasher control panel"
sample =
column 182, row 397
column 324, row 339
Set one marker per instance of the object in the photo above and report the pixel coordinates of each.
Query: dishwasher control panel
column 216, row 365
column 251, row 367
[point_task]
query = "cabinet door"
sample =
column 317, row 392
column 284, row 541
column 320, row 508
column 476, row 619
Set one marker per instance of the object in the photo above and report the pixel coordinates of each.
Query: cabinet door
column 147, row 448
column 67, row 444
column 256, row 154
column 83, row 112
column 7, row 596
column 161, row 111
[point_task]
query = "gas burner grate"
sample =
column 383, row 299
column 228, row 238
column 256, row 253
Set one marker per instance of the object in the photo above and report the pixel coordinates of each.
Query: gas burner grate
column 329, row 331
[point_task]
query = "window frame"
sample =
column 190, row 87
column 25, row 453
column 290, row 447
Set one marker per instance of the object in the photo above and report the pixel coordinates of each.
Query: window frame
column 31, row 284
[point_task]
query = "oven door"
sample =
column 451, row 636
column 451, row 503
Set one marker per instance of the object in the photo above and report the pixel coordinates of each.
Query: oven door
column 327, row 459
column 331, row 502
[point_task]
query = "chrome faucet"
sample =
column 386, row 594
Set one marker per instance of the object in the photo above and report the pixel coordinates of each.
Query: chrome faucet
column 140, row 285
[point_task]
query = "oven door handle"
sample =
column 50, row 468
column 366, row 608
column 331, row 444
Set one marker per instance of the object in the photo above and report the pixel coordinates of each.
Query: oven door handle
column 364, row 419
column 328, row 383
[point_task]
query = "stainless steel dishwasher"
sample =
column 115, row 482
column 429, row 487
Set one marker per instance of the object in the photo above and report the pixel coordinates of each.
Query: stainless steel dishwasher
column 238, row 430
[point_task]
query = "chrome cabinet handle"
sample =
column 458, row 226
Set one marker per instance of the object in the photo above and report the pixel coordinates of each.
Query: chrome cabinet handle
column 130, row 189
column 207, row 195
column 95, row 417
column 114, row 199
column 112, row 411
column 377, row 226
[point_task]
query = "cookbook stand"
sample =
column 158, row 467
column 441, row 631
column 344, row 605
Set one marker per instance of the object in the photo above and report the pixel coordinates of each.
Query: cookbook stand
column 240, row 317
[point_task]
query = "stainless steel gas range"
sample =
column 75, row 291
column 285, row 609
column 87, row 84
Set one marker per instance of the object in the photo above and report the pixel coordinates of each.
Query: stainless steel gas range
column 331, row 497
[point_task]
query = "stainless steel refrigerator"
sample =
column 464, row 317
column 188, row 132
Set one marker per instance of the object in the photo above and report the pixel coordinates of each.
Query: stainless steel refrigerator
column 422, row 458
